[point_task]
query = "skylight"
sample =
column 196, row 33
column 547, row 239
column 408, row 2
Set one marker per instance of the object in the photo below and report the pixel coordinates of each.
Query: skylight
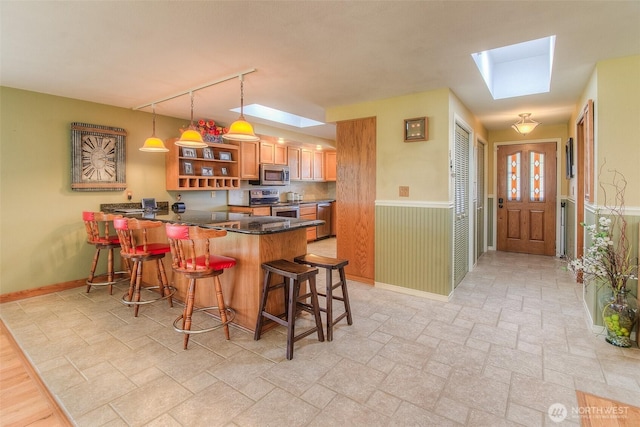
column 519, row 69
column 268, row 113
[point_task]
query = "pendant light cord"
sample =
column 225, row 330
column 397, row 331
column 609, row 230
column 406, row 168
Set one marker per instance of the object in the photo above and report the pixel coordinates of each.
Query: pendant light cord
column 191, row 125
column 241, row 97
column 153, row 133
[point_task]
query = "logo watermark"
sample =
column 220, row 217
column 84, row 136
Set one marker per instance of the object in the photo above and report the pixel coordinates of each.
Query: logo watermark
column 558, row 412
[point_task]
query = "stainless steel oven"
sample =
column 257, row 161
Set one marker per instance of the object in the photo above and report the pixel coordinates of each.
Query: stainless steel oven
column 289, row 211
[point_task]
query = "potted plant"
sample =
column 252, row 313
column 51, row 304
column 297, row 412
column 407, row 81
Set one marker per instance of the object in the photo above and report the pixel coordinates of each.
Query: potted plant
column 607, row 262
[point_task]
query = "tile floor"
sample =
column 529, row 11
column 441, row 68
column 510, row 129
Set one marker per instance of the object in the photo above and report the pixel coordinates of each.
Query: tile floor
column 510, row 343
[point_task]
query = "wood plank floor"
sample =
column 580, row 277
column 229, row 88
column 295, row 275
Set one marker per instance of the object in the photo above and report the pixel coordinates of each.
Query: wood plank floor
column 24, row 400
column 600, row 412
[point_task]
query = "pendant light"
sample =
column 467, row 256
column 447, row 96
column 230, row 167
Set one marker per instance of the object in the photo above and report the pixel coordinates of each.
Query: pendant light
column 525, row 125
column 154, row 144
column 191, row 137
column 241, row 130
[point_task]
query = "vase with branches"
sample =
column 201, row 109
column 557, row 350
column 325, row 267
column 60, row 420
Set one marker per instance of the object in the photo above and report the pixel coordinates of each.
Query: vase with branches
column 607, row 261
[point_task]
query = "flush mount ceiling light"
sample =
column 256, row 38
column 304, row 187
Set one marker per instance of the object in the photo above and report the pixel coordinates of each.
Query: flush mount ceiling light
column 525, row 125
column 191, row 137
column 154, row 144
column 241, row 130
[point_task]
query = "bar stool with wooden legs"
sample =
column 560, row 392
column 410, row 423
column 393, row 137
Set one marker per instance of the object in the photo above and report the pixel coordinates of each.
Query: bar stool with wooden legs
column 331, row 264
column 293, row 276
column 99, row 235
column 190, row 250
column 137, row 249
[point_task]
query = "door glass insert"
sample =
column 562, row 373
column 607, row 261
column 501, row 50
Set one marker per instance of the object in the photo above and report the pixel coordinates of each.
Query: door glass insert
column 537, row 177
column 513, row 177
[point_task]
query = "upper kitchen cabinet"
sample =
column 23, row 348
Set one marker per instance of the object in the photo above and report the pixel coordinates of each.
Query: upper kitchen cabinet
column 318, row 166
column 293, row 160
column 215, row 167
column 306, row 164
column 273, row 153
column 330, row 166
column 249, row 159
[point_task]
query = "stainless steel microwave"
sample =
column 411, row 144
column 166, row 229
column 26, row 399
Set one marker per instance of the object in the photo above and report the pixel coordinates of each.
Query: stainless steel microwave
column 274, row 174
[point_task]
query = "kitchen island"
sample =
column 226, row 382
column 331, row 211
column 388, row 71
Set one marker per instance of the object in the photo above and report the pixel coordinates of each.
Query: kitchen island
column 251, row 240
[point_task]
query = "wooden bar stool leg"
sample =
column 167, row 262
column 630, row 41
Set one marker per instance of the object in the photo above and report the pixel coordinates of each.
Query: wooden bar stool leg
column 110, row 273
column 136, row 292
column 221, row 305
column 188, row 310
column 291, row 315
column 316, row 307
column 329, row 303
column 345, row 296
column 164, row 283
column 132, row 281
column 263, row 304
column 92, row 273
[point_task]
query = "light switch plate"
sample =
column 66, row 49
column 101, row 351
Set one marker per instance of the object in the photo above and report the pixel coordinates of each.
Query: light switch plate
column 404, row 191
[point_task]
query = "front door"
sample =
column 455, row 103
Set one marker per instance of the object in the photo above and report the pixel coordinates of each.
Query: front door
column 527, row 198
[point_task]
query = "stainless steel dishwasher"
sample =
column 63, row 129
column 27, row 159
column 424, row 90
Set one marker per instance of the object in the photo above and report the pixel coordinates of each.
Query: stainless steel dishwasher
column 324, row 214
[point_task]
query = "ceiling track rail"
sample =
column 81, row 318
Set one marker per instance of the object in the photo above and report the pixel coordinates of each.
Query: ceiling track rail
column 240, row 75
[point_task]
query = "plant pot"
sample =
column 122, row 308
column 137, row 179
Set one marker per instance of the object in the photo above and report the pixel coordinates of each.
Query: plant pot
column 619, row 314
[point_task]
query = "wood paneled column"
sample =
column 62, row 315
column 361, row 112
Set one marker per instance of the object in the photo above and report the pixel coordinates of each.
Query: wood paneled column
column 355, row 196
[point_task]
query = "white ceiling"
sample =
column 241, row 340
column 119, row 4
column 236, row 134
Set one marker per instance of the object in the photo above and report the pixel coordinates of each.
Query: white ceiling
column 309, row 55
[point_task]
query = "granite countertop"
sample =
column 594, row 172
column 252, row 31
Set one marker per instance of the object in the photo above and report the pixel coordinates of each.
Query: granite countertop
column 286, row 203
column 232, row 222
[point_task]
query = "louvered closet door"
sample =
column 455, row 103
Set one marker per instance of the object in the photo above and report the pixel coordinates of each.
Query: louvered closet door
column 461, row 220
column 479, row 244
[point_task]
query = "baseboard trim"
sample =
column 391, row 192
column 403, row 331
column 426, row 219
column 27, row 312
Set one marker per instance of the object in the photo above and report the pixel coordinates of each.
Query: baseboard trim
column 413, row 292
column 43, row 290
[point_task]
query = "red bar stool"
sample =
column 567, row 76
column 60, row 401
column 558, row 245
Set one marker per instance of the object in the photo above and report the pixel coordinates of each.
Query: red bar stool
column 330, row 264
column 99, row 235
column 136, row 248
column 190, row 250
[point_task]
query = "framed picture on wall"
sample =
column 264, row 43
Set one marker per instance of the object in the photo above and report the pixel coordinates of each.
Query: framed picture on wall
column 568, row 151
column 207, row 153
column 207, row 171
column 415, row 129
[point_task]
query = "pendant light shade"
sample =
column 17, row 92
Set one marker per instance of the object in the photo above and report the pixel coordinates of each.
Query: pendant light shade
column 525, row 125
column 154, row 144
column 241, row 130
column 191, row 137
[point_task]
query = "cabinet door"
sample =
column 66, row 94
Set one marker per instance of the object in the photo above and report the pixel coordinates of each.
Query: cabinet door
column 293, row 160
column 262, row 211
column 249, row 160
column 306, row 164
column 330, row 170
column 318, row 166
column 267, row 152
column 280, row 154
column 308, row 211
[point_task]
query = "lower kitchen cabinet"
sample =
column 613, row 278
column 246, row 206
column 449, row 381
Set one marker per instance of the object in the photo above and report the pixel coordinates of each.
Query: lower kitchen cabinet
column 259, row 211
column 308, row 211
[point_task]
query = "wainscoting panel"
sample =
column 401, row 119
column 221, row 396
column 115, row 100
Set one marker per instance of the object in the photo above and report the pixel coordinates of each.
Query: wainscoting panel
column 489, row 219
column 571, row 229
column 413, row 247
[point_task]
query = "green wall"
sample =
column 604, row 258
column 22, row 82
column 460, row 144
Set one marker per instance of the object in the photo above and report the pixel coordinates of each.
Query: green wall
column 42, row 236
column 423, row 167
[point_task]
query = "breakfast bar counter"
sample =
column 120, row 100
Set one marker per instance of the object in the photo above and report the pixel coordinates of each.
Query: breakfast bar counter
column 251, row 240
